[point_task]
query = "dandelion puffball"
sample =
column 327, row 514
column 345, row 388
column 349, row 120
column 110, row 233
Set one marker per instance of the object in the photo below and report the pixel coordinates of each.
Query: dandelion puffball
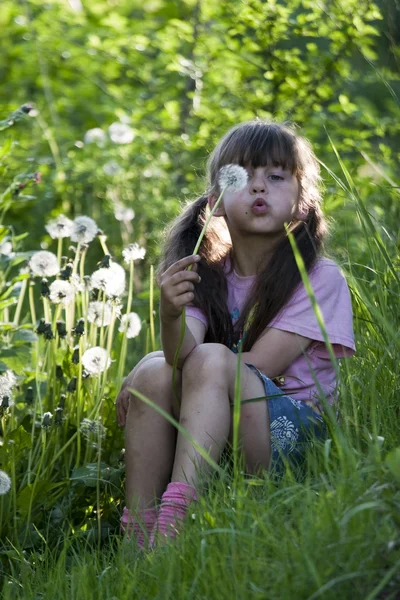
column 120, row 133
column 112, row 280
column 99, row 313
column 44, row 264
column 7, row 382
column 96, row 360
column 133, row 252
column 232, row 178
column 5, row 483
column 84, row 230
column 60, row 227
column 95, row 136
column 131, row 324
column 124, row 214
column 62, row 292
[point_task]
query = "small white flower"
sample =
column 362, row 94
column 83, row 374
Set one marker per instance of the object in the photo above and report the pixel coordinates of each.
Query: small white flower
column 62, row 292
column 44, row 264
column 121, row 133
column 95, row 136
column 232, row 178
column 133, row 252
column 125, row 214
column 5, row 247
column 7, row 382
column 111, row 168
column 99, row 313
column 5, row 483
column 60, row 227
column 96, row 360
column 132, row 324
column 111, row 280
column 84, row 230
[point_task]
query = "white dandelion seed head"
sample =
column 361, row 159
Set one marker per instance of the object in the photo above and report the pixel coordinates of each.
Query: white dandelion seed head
column 232, row 178
column 62, row 292
column 5, row 247
column 44, row 264
column 84, row 230
column 133, row 252
column 111, row 168
column 77, row 283
column 7, row 382
column 112, row 280
column 99, row 313
column 124, row 214
column 95, row 136
column 60, row 227
column 120, row 133
column 131, row 324
column 92, row 428
column 5, row 483
column 96, row 360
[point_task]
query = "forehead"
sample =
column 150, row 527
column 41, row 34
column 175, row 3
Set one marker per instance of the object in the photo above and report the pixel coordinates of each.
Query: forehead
column 261, row 147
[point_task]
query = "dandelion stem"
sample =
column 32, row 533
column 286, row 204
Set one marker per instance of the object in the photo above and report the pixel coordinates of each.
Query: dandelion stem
column 20, row 302
column 121, row 364
column 151, row 304
column 59, row 250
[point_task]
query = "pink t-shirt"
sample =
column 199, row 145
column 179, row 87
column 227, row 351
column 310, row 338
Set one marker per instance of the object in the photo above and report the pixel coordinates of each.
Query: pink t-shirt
column 297, row 316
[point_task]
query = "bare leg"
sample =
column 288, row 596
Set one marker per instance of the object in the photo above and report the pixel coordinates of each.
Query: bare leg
column 207, row 394
column 149, row 438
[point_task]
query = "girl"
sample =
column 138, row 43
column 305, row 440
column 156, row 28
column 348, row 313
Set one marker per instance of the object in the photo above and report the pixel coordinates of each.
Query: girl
column 244, row 287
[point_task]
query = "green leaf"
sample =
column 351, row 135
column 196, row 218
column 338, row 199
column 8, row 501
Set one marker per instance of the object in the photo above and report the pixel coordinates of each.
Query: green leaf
column 25, row 335
column 392, row 461
column 90, row 474
column 16, row 358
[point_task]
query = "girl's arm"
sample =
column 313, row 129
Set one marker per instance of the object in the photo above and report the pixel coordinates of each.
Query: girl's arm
column 275, row 351
column 176, row 291
column 170, row 333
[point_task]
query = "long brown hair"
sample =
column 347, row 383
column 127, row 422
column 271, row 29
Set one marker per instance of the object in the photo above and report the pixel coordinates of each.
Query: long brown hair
column 256, row 143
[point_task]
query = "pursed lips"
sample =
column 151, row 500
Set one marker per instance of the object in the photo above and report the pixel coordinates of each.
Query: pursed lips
column 259, row 202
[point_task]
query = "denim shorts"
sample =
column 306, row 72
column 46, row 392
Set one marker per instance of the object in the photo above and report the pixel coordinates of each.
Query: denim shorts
column 293, row 426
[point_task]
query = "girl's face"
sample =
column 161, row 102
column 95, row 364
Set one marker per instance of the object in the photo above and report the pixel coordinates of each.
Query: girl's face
column 269, row 200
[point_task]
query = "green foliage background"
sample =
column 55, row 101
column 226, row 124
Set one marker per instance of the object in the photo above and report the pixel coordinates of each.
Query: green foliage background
column 180, row 74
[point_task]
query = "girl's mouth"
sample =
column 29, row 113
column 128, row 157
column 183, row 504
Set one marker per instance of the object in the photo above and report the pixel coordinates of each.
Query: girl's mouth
column 259, row 206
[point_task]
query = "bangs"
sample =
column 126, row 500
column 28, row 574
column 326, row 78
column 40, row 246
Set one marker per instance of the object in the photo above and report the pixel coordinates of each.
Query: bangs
column 259, row 144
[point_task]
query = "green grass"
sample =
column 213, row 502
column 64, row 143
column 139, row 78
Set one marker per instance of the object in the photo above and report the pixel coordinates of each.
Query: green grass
column 330, row 530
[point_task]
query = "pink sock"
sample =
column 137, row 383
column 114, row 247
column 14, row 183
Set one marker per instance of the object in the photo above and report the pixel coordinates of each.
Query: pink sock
column 174, row 503
column 140, row 521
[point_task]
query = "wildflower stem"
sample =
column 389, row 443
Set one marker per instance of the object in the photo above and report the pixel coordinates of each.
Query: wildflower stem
column 121, row 364
column 102, row 240
column 183, row 315
column 151, row 304
column 20, row 302
column 59, row 250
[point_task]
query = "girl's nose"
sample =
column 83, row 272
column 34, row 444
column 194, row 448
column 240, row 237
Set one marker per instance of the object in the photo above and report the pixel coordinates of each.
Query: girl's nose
column 258, row 184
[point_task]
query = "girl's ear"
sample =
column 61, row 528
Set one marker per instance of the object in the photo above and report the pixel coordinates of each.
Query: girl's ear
column 220, row 212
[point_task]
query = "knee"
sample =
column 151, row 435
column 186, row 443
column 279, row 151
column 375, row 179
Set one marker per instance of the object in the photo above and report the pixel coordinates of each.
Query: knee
column 205, row 360
column 153, row 374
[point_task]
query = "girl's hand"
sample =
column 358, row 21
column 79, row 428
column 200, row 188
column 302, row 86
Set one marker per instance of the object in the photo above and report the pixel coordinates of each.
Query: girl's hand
column 177, row 286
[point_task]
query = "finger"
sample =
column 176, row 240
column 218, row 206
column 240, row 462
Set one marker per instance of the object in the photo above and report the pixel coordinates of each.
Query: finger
column 181, row 264
column 182, row 288
column 184, row 276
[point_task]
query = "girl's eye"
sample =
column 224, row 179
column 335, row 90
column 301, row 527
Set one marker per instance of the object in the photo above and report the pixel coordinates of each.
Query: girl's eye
column 278, row 177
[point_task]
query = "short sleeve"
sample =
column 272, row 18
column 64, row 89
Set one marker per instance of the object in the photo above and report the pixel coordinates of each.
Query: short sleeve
column 197, row 313
column 333, row 297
